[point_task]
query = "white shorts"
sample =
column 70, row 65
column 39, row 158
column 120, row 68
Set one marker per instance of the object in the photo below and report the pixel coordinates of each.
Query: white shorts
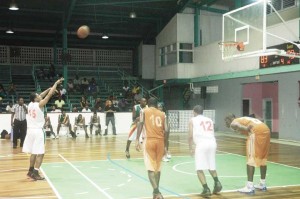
column 34, row 141
column 205, row 154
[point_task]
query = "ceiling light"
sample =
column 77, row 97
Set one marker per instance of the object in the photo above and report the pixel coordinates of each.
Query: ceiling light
column 13, row 6
column 105, row 37
column 9, row 31
column 132, row 15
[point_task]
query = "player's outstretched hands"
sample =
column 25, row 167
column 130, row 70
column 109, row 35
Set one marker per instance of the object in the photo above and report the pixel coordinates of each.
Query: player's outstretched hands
column 138, row 145
column 59, row 81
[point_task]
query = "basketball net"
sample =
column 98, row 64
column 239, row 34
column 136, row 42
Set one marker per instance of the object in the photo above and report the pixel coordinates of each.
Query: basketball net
column 229, row 47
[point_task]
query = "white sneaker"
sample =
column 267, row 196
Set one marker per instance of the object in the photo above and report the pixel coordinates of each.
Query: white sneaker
column 247, row 190
column 261, row 186
column 169, row 156
column 165, row 159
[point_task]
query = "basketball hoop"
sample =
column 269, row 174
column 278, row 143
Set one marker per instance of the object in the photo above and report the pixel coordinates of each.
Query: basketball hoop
column 229, row 47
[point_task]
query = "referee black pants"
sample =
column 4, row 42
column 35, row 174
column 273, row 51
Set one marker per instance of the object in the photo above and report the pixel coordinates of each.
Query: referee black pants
column 19, row 131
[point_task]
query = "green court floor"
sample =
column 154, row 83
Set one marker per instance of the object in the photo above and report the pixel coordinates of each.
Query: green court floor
column 122, row 179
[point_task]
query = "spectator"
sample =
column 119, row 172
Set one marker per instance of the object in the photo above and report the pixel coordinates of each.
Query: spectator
column 11, row 89
column 83, row 102
column 138, row 96
column 95, row 121
column 126, row 90
column 63, row 120
column 123, row 105
column 71, row 87
column 63, row 92
column 84, row 85
column 48, row 126
column 75, row 109
column 2, row 106
column 93, row 88
column 77, row 83
column 9, row 107
column 54, row 109
column 86, row 109
column 41, row 74
column 115, row 102
column 2, row 91
column 80, row 122
column 59, row 102
column 98, row 105
column 135, row 89
column 110, row 117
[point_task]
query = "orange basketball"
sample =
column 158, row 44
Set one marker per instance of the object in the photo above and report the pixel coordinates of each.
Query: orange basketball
column 83, row 32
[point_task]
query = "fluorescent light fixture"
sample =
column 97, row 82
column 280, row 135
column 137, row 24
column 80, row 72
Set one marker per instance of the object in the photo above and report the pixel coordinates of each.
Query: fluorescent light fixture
column 132, row 15
column 9, row 31
column 105, row 37
column 13, row 6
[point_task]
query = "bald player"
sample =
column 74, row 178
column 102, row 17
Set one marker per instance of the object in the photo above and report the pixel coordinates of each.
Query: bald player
column 257, row 147
column 154, row 123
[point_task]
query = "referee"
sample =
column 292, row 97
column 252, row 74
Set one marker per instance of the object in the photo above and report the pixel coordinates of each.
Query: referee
column 18, row 122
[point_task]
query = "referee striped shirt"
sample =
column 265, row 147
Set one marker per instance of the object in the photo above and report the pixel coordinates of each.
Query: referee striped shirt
column 19, row 111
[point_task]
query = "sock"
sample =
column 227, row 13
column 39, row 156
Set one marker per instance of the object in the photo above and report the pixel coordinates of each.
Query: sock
column 216, row 179
column 205, row 186
column 155, row 191
column 36, row 169
column 31, row 168
column 263, row 181
column 250, row 184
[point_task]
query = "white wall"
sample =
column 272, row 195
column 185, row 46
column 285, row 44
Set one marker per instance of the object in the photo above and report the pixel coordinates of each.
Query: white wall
column 148, row 61
column 179, row 30
column 211, row 27
column 123, row 121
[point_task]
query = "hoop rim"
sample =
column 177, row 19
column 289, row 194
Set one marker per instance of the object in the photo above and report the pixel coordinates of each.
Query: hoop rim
column 229, row 43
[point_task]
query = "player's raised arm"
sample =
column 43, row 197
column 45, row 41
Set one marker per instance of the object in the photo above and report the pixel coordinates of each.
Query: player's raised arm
column 44, row 101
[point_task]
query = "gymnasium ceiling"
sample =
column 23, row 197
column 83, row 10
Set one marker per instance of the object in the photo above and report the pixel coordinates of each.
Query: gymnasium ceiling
column 40, row 22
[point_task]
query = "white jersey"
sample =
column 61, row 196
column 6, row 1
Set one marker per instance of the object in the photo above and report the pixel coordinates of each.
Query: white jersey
column 35, row 116
column 203, row 128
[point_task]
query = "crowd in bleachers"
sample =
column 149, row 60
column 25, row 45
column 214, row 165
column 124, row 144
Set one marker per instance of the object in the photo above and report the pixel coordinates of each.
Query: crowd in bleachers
column 85, row 93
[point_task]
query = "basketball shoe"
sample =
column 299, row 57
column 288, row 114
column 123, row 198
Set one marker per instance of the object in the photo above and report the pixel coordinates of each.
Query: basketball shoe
column 36, row 176
column 261, row 186
column 248, row 189
column 218, row 187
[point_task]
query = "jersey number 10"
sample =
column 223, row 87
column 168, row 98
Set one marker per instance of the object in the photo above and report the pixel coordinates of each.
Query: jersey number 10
column 156, row 121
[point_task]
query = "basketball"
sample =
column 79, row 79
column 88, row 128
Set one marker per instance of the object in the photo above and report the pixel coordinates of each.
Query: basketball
column 83, row 32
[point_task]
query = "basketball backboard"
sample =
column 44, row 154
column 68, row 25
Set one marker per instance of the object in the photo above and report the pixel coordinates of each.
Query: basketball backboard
column 248, row 25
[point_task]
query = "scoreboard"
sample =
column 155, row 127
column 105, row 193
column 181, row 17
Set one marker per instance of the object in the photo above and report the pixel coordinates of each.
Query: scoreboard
column 277, row 60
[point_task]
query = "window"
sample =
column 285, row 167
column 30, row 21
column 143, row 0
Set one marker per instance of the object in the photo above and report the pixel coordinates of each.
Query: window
column 168, row 55
column 280, row 5
column 186, row 53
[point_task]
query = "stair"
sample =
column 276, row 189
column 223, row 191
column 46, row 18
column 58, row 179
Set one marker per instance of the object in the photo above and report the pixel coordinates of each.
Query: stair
column 187, row 93
column 24, row 85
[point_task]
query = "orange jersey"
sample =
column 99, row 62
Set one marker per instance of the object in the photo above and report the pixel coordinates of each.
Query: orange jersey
column 154, row 122
column 257, row 126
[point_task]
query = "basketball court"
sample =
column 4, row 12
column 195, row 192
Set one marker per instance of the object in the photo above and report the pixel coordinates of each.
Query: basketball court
column 110, row 178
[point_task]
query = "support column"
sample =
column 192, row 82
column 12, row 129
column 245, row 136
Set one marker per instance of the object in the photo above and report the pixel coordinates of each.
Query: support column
column 237, row 4
column 196, row 27
column 65, row 50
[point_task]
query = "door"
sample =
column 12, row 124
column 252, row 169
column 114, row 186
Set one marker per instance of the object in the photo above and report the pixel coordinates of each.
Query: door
column 268, row 112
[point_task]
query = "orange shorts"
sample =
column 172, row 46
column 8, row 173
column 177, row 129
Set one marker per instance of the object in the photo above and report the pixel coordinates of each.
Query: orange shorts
column 153, row 153
column 258, row 145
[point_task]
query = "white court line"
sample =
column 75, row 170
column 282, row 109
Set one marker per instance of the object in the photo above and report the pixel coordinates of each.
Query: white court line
column 240, row 156
column 51, row 185
column 87, row 178
column 189, row 173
